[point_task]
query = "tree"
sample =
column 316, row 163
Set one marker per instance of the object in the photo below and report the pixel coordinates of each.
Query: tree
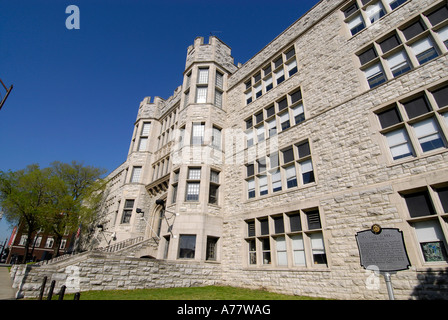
column 79, row 199
column 24, row 196
column 57, row 199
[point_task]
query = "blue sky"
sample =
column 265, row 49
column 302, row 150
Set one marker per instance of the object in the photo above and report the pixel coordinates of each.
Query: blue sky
column 76, row 92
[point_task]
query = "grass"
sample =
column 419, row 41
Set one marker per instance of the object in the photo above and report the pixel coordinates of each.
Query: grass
column 195, row 293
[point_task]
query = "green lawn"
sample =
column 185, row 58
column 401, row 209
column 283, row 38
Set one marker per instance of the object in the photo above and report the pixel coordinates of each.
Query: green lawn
column 196, row 293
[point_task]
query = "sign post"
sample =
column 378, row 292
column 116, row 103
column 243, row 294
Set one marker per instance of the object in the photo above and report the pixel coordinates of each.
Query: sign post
column 383, row 249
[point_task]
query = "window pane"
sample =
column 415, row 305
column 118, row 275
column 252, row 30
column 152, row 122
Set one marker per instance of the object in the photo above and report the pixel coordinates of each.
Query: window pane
column 398, row 142
column 288, row 155
column 441, row 96
column 389, row 117
column 443, row 196
column 367, row 56
column 317, row 246
column 350, row 10
column 252, row 252
column 299, row 252
column 356, row 24
column 443, row 34
column 428, row 135
column 282, row 257
column 438, row 16
column 282, row 104
column 219, row 78
column 251, row 229
column 263, row 183
column 432, row 241
column 313, row 220
column 295, row 223
column 264, row 227
column 197, row 137
column 187, row 246
column 398, row 63
column 390, row 43
column 375, row 75
column 194, row 174
column 304, row 150
column 203, row 76
column 416, row 107
column 291, row 179
column 251, row 188
column 136, row 173
column 296, row 96
column 192, row 191
column 201, row 95
column 142, row 144
column 307, row 171
column 414, row 29
column 250, row 170
column 266, row 247
column 278, row 224
column 424, row 50
column 375, row 11
column 419, row 204
column 298, row 114
column 145, row 130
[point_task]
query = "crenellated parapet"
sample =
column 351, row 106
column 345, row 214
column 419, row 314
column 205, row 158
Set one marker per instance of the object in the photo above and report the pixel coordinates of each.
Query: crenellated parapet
column 215, row 50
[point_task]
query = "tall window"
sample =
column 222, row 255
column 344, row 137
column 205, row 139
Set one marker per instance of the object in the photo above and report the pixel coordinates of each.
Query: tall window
column 212, row 244
column 187, row 246
column 193, row 184
column 142, row 145
column 426, row 209
column 136, row 174
column 216, row 137
column 214, row 187
column 197, row 135
column 127, row 211
column 203, row 76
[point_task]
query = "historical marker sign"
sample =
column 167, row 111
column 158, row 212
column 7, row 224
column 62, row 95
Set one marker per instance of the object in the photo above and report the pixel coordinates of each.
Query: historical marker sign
column 382, row 249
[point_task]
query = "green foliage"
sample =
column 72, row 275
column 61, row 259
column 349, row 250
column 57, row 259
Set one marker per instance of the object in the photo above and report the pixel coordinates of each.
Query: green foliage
column 55, row 200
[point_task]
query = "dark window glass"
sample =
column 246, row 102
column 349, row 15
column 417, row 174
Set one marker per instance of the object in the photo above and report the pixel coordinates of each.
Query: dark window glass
column 282, row 104
column 296, row 96
column 259, row 117
column 250, row 170
column 438, row 16
column 267, row 70
column 187, row 246
column 389, row 117
column 278, row 62
column 350, row 10
column 308, row 177
column 294, row 221
column 290, row 53
column 313, row 220
column 416, row 107
column 270, row 111
column 390, row 43
column 249, row 123
column 414, row 29
column 395, row 4
column 264, row 227
column 248, row 84
column 213, row 196
column 419, row 204
column 211, row 248
column 304, row 149
column 367, row 56
column 288, row 155
column 251, row 229
column 279, row 226
column 364, row 2
column 441, row 96
column 443, row 196
column 257, row 77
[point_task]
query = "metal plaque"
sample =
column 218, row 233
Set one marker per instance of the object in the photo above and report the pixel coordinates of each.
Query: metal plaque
column 382, row 249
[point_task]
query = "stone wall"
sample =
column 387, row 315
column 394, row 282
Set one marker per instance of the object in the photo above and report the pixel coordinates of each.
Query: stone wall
column 102, row 271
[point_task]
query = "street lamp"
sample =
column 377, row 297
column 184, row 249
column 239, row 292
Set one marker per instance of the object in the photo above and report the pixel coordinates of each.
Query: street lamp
column 113, row 234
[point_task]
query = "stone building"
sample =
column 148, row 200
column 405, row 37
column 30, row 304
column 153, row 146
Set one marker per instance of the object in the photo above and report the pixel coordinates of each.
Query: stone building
column 270, row 168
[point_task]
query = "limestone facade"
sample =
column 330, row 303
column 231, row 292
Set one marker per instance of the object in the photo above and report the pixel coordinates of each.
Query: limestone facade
column 269, row 169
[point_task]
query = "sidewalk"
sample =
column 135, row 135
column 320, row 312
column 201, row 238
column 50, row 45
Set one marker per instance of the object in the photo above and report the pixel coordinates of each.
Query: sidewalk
column 6, row 290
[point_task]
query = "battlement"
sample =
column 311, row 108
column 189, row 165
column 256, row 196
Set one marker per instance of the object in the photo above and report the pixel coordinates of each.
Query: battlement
column 215, row 50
